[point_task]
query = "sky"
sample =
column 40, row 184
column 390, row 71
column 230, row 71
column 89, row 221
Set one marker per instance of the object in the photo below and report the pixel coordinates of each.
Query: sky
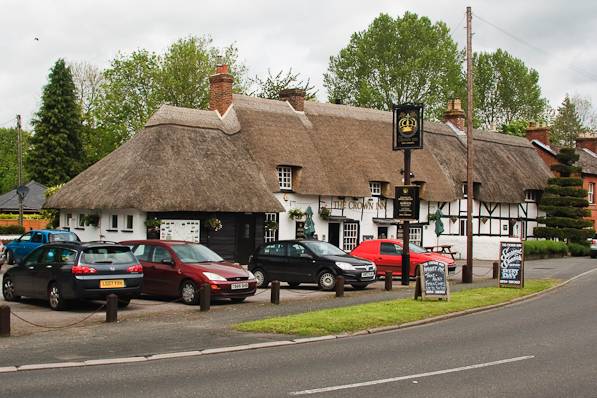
column 555, row 37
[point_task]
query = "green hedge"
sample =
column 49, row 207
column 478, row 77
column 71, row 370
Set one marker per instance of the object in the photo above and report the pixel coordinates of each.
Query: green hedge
column 579, row 249
column 10, row 216
column 544, row 248
column 11, row 230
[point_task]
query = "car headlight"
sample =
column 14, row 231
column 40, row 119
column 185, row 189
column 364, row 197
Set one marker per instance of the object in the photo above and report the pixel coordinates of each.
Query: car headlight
column 214, row 277
column 251, row 276
column 345, row 266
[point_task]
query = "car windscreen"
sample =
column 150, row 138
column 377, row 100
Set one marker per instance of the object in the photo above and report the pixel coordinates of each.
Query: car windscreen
column 416, row 249
column 324, row 248
column 108, row 255
column 195, row 253
column 63, row 237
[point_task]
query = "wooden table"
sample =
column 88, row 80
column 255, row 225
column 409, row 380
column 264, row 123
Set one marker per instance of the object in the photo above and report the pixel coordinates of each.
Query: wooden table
column 443, row 249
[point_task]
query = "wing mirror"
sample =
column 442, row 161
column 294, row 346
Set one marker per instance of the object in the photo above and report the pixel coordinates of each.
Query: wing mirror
column 166, row 261
column 307, row 255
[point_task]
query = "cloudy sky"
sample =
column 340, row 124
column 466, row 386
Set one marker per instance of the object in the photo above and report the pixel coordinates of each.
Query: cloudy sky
column 556, row 37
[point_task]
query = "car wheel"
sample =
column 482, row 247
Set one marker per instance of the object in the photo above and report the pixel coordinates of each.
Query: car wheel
column 189, row 293
column 359, row 286
column 8, row 290
column 593, row 254
column 294, row 284
column 124, row 302
column 55, row 298
column 10, row 259
column 238, row 299
column 261, row 277
column 326, row 280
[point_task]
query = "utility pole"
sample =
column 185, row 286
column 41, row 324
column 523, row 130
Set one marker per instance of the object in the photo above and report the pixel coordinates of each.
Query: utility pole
column 20, row 169
column 467, row 270
column 406, row 227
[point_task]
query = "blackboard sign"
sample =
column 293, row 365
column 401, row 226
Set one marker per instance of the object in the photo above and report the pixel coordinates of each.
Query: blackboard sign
column 434, row 280
column 407, row 126
column 511, row 264
column 300, row 230
column 406, row 202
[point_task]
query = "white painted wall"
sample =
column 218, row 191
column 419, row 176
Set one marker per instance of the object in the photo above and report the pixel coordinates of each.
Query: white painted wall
column 104, row 231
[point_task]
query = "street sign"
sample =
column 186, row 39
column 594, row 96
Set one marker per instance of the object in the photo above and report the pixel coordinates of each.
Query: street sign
column 407, row 126
column 22, row 191
column 406, row 202
column 432, row 281
column 511, row 265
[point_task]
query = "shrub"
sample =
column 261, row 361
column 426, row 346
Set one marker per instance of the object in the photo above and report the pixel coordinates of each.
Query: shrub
column 579, row 249
column 11, row 230
column 544, row 248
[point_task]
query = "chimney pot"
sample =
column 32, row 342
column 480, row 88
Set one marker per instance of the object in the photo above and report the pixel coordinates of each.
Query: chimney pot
column 454, row 114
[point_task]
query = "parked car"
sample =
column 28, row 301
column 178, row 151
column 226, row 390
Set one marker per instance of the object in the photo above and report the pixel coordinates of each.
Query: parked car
column 309, row 261
column 179, row 268
column 593, row 242
column 26, row 243
column 2, row 255
column 387, row 256
column 64, row 271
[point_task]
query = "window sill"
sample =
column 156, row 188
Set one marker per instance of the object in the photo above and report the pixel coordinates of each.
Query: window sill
column 111, row 230
column 80, row 228
column 128, row 231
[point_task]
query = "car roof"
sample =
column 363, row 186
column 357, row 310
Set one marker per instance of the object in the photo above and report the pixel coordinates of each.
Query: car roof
column 85, row 245
column 156, row 241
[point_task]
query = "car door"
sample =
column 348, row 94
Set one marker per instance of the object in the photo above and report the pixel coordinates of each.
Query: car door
column 47, row 264
column 390, row 258
column 23, row 279
column 162, row 272
column 301, row 265
column 21, row 247
column 272, row 259
column 143, row 253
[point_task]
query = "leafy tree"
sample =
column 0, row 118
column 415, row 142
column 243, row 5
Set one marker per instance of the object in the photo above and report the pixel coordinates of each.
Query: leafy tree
column 271, row 85
column 399, row 60
column 56, row 152
column 515, row 127
column 505, row 90
column 565, row 202
column 585, row 111
column 8, row 158
column 567, row 124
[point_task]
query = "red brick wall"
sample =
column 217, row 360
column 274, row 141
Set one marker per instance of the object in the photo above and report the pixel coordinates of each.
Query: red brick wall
column 220, row 90
column 587, row 179
column 28, row 224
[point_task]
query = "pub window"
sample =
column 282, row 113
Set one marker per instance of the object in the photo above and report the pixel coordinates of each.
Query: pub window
column 285, row 177
column 591, row 195
column 114, row 221
column 270, row 233
column 351, row 235
column 129, row 222
column 464, row 191
column 462, row 227
column 530, row 196
column 82, row 220
column 415, row 235
column 69, row 218
column 375, row 188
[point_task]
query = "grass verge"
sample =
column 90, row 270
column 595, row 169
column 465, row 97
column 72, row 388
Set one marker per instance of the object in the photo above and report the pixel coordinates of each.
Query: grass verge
column 386, row 313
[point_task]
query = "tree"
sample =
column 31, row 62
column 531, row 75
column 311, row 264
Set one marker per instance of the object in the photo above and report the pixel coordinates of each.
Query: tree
column 56, row 153
column 88, row 80
column 565, row 203
column 505, row 90
column 8, row 158
column 271, row 85
column 585, row 111
column 406, row 59
column 567, row 125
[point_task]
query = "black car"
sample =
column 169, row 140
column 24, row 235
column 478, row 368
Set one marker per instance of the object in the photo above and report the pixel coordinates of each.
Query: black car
column 65, row 271
column 309, row 261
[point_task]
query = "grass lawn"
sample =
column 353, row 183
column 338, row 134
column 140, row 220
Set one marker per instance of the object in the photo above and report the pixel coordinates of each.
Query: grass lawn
column 385, row 313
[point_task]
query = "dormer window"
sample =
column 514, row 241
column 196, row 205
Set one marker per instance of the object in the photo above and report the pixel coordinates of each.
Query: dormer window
column 530, row 196
column 285, row 177
column 375, row 188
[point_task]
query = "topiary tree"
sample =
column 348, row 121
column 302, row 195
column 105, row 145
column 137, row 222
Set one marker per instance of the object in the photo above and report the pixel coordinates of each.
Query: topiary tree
column 565, row 203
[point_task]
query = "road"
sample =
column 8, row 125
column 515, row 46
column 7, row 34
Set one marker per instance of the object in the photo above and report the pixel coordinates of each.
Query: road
column 544, row 347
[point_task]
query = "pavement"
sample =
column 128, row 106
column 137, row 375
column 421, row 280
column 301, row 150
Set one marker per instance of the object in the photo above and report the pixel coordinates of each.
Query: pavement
column 151, row 327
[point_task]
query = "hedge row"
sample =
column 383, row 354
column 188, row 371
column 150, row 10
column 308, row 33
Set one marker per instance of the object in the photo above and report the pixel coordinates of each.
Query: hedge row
column 544, row 248
column 11, row 230
column 10, row 216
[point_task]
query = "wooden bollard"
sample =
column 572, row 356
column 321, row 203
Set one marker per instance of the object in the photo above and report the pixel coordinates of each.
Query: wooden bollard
column 388, row 281
column 204, row 297
column 496, row 269
column 275, row 290
column 4, row 321
column 111, row 308
column 339, row 286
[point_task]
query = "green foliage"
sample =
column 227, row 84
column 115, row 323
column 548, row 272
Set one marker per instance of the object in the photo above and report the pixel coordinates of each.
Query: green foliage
column 506, row 91
column 579, row 249
column 558, row 211
column 544, row 248
column 565, row 170
column 8, row 158
column 295, row 214
column 56, row 152
column 11, row 230
column 567, row 156
column 565, row 181
column 568, row 201
column 565, row 222
column 52, row 214
column 566, row 191
column 567, row 124
column 568, row 234
column 515, row 127
column 397, row 60
column 271, row 85
column 11, row 216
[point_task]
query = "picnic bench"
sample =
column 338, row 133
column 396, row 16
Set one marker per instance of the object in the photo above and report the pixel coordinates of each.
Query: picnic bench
column 443, row 249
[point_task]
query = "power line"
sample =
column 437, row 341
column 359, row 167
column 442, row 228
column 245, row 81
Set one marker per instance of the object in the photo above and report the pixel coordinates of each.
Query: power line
column 12, row 119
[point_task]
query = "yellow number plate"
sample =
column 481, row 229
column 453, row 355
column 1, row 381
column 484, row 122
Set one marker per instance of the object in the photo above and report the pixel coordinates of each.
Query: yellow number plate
column 109, row 284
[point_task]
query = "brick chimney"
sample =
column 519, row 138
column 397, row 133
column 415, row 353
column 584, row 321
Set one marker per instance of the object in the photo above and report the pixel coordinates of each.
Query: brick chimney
column 295, row 96
column 454, row 114
column 220, row 90
column 587, row 142
column 539, row 132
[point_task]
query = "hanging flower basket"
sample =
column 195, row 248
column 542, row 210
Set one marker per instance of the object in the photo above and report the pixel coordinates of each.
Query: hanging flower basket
column 325, row 213
column 152, row 223
column 484, row 220
column 271, row 225
column 453, row 219
column 91, row 220
column 295, row 214
column 214, row 224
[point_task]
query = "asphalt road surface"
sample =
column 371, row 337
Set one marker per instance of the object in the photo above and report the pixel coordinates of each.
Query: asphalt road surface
column 544, row 347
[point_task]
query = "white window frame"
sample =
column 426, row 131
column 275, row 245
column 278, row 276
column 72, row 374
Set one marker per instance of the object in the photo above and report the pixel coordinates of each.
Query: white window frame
column 269, row 235
column 68, row 219
column 350, row 238
column 591, row 193
column 375, row 188
column 530, row 196
column 285, row 177
column 415, row 235
column 126, row 222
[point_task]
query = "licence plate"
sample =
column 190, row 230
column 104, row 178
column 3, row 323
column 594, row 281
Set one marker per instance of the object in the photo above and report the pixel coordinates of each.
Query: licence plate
column 369, row 274
column 237, row 286
column 112, row 283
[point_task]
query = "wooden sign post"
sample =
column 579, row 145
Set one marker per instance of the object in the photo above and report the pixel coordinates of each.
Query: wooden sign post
column 511, row 272
column 432, row 281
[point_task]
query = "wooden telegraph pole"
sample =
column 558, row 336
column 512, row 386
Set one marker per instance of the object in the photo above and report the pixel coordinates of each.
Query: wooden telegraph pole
column 20, row 168
column 467, row 270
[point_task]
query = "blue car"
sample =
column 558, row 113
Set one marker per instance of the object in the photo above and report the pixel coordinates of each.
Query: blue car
column 19, row 248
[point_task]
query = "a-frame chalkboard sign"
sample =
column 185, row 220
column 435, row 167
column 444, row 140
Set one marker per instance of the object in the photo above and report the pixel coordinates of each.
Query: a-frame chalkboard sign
column 432, row 281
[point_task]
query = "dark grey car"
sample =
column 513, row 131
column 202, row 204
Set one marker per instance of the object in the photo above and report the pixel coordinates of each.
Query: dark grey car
column 64, row 271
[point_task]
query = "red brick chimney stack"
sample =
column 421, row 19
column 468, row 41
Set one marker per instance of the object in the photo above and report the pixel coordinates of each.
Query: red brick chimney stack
column 295, row 96
column 454, row 114
column 220, row 90
column 539, row 132
column 587, row 142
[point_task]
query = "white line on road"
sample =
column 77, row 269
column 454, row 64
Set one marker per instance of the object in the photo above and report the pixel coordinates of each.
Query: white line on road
column 417, row 376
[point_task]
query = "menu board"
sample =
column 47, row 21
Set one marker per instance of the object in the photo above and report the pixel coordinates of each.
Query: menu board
column 406, row 202
column 511, row 264
column 434, row 280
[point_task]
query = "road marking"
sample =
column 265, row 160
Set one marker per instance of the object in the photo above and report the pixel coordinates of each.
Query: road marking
column 417, row 376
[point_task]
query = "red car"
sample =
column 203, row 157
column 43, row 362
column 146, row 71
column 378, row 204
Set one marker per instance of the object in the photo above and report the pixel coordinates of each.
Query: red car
column 178, row 269
column 387, row 256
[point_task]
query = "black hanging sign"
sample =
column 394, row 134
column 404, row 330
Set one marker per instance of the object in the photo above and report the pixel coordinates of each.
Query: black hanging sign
column 406, row 202
column 511, row 264
column 407, row 126
column 432, row 281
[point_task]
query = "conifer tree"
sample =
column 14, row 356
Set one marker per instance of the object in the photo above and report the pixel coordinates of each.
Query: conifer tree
column 56, row 153
column 565, row 203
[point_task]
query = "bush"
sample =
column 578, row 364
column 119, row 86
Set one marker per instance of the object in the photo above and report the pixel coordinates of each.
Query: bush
column 579, row 249
column 544, row 248
column 11, row 230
